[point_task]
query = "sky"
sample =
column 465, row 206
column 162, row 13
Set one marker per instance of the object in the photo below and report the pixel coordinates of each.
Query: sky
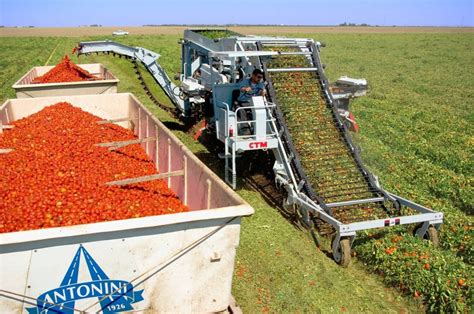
column 60, row 13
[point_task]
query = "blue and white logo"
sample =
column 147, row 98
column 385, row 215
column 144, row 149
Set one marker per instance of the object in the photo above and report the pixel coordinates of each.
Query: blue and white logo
column 113, row 295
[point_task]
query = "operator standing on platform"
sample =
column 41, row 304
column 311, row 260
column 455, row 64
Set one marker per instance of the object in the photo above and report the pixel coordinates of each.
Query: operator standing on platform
column 249, row 88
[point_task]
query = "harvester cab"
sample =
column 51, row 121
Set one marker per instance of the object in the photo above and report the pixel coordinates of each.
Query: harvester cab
column 303, row 121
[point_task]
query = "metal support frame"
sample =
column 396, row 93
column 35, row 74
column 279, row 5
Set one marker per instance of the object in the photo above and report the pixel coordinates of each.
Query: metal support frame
column 145, row 56
column 355, row 202
column 232, row 141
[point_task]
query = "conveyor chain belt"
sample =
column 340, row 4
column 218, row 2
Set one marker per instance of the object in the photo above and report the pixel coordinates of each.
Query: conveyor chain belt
column 149, row 93
column 288, row 144
column 143, row 83
column 324, row 155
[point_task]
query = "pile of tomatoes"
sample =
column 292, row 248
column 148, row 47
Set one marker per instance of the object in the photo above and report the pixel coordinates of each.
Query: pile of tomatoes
column 65, row 71
column 56, row 176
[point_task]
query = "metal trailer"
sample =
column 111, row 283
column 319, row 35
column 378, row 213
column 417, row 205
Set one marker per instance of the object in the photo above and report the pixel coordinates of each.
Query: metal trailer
column 106, row 85
column 212, row 69
column 176, row 263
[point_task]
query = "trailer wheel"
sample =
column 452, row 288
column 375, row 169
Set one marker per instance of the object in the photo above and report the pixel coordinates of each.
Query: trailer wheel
column 431, row 234
column 342, row 254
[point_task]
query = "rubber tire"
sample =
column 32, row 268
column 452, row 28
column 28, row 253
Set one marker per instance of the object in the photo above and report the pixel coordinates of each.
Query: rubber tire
column 344, row 250
column 431, row 235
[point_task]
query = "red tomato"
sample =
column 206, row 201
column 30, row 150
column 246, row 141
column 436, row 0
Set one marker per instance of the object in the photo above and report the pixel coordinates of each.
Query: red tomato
column 56, row 176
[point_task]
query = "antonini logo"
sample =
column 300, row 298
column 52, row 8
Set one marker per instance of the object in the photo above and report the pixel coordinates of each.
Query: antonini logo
column 113, row 295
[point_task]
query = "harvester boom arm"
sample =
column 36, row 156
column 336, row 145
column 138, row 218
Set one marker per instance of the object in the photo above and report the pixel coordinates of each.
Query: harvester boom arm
column 147, row 57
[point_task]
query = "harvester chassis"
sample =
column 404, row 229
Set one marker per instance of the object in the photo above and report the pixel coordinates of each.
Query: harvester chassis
column 217, row 58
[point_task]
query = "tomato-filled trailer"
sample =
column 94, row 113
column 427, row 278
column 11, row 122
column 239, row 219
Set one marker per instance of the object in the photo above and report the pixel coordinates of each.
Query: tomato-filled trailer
column 107, row 83
column 179, row 262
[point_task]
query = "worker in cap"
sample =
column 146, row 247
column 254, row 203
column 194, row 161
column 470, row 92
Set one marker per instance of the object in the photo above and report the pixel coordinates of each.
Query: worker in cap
column 250, row 87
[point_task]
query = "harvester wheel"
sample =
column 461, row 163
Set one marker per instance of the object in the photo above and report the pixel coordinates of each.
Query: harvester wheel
column 342, row 254
column 430, row 234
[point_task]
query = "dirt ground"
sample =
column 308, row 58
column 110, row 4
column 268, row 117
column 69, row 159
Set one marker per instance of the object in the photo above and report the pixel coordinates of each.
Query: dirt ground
column 176, row 30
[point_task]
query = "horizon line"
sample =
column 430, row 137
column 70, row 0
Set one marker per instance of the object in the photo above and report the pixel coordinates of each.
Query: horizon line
column 239, row 25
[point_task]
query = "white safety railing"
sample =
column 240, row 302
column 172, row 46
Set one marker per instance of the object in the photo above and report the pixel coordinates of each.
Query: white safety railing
column 253, row 121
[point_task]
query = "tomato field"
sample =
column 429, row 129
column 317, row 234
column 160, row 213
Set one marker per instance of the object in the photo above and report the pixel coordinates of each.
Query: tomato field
column 415, row 134
column 325, row 161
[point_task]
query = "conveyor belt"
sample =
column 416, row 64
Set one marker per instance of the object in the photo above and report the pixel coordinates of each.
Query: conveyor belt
column 324, row 156
column 148, row 92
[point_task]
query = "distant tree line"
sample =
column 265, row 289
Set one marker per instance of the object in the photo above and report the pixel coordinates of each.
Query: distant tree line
column 355, row 24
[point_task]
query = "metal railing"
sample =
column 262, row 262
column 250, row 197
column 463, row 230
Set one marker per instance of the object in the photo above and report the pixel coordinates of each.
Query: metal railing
column 251, row 122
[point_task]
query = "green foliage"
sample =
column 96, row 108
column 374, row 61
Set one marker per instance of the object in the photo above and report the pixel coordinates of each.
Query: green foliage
column 441, row 279
column 216, row 33
column 13, row 67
